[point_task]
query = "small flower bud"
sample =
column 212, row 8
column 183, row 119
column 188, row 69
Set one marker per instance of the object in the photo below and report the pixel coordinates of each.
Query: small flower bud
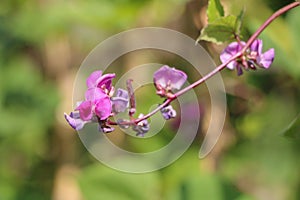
column 142, row 127
column 168, row 112
column 120, row 102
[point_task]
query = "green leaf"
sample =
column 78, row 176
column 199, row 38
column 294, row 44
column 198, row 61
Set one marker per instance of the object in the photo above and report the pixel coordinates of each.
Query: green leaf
column 219, row 31
column 293, row 130
column 215, row 10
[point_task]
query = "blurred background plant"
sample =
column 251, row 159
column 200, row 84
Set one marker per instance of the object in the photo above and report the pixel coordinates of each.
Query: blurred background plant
column 43, row 42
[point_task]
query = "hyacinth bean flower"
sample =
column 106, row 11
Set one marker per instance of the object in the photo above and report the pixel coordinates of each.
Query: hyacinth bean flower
column 97, row 100
column 251, row 59
column 97, row 106
column 166, row 79
column 121, row 101
column 263, row 60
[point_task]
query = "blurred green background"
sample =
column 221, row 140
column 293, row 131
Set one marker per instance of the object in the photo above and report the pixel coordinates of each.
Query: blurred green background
column 43, row 42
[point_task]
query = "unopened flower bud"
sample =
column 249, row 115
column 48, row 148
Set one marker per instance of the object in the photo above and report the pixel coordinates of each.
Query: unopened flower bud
column 142, row 127
column 121, row 101
column 168, row 112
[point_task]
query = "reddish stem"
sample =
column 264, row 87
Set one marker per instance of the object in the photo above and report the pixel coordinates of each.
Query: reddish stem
column 268, row 22
column 222, row 66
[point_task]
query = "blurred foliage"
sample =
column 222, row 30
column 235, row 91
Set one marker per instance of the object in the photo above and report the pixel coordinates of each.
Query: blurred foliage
column 293, row 129
column 257, row 163
column 27, row 110
column 99, row 181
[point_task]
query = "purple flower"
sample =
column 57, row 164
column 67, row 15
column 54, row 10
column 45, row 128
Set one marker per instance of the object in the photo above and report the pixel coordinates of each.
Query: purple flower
column 97, row 80
column 230, row 51
column 262, row 59
column 97, row 106
column 252, row 58
column 121, row 101
column 97, row 103
column 168, row 112
column 169, row 78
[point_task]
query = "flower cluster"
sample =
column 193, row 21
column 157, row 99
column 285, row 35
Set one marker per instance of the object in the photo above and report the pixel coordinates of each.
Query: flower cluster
column 251, row 59
column 99, row 104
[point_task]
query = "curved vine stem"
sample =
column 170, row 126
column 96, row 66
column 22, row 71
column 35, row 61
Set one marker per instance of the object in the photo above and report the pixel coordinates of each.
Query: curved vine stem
column 220, row 67
column 268, row 22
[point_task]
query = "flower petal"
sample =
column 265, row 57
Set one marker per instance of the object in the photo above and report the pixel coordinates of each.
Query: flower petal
column 122, row 93
column 85, row 110
column 93, row 94
column 92, row 79
column 267, row 58
column 103, row 107
column 105, row 81
column 119, row 104
column 230, row 51
column 160, row 76
column 121, row 101
column 169, row 77
column 177, row 78
column 256, row 46
column 232, row 65
column 74, row 120
column 225, row 55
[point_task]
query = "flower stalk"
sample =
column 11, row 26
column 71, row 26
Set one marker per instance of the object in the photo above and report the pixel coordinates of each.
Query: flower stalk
column 100, row 104
column 223, row 65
